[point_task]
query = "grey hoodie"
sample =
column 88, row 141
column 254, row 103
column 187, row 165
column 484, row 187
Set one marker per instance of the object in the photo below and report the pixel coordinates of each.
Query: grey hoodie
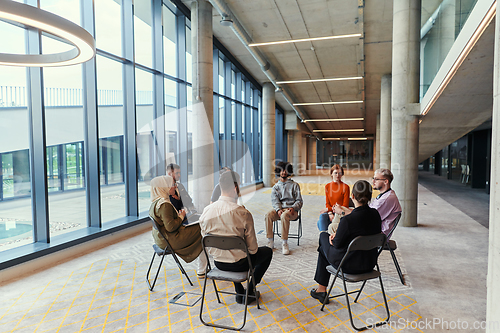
column 286, row 194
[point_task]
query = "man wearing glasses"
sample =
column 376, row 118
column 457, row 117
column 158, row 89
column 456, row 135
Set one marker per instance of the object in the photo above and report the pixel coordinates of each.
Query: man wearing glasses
column 386, row 203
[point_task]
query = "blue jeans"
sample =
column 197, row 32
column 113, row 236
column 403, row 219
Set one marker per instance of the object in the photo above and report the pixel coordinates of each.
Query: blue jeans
column 323, row 222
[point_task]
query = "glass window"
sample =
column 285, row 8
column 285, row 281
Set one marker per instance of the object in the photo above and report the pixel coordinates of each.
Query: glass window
column 145, row 145
column 69, row 9
column 190, row 134
column 221, row 76
column 65, row 150
column 171, row 120
column 108, row 26
column 111, row 138
column 16, row 226
column 169, row 42
column 143, row 33
column 189, row 60
column 233, row 82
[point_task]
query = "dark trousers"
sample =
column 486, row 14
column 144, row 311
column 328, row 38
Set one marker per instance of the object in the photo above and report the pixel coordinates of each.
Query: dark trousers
column 322, row 276
column 260, row 262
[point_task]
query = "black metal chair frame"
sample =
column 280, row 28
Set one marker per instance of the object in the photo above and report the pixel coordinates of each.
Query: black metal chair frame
column 390, row 245
column 162, row 253
column 298, row 235
column 227, row 243
column 360, row 243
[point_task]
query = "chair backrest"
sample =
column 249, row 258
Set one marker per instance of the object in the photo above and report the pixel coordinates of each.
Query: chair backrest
column 365, row 243
column 396, row 221
column 156, row 226
column 225, row 242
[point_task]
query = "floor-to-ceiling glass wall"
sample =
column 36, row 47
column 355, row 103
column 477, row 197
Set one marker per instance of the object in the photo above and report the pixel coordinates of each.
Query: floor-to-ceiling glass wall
column 130, row 88
column 16, row 227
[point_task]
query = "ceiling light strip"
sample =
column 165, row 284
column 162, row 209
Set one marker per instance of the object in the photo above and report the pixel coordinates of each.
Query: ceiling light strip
column 350, row 139
column 321, row 80
column 327, row 103
column 305, row 40
column 341, row 130
column 465, row 52
column 337, row 119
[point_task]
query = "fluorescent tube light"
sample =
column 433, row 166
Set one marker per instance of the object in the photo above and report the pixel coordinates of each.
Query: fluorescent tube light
column 305, row 40
column 326, row 103
column 321, row 80
column 341, row 130
column 334, row 119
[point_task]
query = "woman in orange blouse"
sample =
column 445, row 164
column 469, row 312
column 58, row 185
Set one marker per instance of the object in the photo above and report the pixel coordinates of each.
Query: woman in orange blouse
column 336, row 192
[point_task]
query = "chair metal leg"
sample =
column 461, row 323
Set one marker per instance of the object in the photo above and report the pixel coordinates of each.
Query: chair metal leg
column 182, row 269
column 151, row 286
column 397, row 266
column 329, row 291
column 360, row 290
column 380, row 323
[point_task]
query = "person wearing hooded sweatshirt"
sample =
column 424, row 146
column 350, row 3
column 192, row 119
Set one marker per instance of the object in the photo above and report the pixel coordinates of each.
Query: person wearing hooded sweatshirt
column 287, row 201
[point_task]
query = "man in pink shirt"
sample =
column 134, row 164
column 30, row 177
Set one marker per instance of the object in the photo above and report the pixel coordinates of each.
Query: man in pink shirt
column 386, row 203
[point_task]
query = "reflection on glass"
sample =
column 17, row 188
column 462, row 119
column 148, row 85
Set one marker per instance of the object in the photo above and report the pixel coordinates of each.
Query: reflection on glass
column 108, row 26
column 143, row 33
column 190, row 134
column 69, row 9
column 169, row 42
column 171, row 120
column 189, row 64
column 145, row 143
column 111, row 138
column 65, row 149
column 16, row 226
column 221, row 76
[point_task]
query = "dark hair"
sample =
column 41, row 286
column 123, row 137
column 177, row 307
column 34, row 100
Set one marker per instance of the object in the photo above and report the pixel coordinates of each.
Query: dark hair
column 362, row 191
column 228, row 180
column 386, row 173
column 173, row 166
column 280, row 166
column 336, row 167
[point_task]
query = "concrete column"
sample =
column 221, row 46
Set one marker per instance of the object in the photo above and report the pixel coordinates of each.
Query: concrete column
column 492, row 286
column 385, row 122
column 446, row 28
column 311, row 159
column 203, row 137
column 377, row 144
column 297, row 152
column 405, row 89
column 289, row 156
column 268, row 133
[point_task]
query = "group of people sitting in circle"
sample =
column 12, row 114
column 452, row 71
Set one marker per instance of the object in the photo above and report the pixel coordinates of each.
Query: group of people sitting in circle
column 339, row 223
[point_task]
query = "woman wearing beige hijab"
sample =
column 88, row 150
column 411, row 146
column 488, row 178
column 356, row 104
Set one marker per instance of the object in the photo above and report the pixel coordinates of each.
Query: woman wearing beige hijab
column 185, row 240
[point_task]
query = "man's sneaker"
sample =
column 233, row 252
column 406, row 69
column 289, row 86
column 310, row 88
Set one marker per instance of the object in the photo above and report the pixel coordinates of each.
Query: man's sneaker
column 270, row 243
column 285, row 248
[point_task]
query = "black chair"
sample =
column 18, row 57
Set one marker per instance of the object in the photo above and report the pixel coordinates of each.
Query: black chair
column 390, row 245
column 213, row 273
column 360, row 243
column 299, row 228
column 162, row 254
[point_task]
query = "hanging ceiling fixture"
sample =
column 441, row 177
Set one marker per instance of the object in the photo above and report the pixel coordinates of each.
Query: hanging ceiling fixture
column 83, row 42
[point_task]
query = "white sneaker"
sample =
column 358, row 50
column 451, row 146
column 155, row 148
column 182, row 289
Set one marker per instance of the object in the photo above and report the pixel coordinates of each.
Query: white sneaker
column 285, row 248
column 270, row 243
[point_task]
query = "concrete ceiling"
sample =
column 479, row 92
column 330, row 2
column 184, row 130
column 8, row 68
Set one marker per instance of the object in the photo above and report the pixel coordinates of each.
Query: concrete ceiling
column 465, row 103
column 273, row 20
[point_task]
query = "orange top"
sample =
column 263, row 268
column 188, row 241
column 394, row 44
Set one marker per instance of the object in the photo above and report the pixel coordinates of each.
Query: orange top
column 336, row 193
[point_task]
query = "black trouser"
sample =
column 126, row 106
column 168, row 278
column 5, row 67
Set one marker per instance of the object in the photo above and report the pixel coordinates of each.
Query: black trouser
column 322, row 276
column 260, row 262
